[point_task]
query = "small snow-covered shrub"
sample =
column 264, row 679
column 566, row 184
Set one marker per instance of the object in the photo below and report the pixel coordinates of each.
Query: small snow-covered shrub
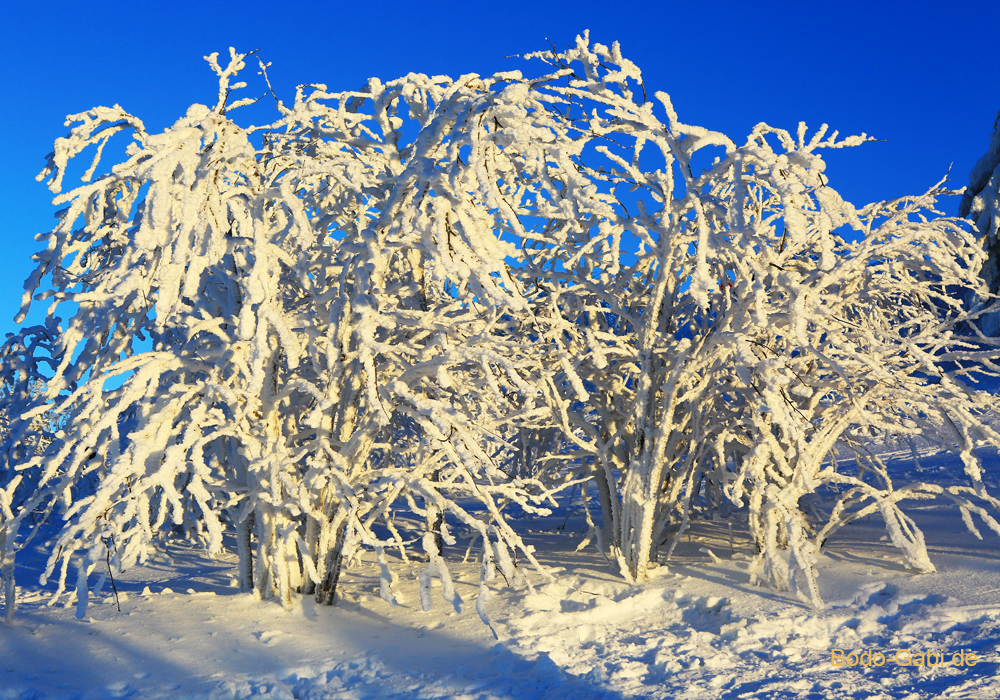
column 447, row 296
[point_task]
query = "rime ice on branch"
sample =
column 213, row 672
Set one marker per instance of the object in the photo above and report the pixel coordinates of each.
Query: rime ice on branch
column 981, row 204
column 444, row 298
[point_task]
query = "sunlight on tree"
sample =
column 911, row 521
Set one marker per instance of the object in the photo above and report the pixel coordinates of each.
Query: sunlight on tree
column 421, row 309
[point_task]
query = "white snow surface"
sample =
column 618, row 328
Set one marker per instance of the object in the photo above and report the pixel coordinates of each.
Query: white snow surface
column 695, row 629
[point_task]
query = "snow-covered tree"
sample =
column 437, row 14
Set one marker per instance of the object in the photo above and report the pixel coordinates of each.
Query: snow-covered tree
column 744, row 340
column 981, row 203
column 28, row 425
column 304, row 304
column 436, row 296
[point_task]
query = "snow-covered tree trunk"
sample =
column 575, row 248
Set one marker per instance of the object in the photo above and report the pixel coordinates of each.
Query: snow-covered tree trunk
column 244, row 550
column 8, row 537
column 334, row 557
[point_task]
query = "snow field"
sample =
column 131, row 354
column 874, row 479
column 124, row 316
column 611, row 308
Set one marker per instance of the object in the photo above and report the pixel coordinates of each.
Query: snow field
column 696, row 629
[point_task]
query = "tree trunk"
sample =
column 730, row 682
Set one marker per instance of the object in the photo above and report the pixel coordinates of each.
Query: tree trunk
column 312, row 546
column 245, row 551
column 327, row 589
column 263, row 566
column 635, row 534
column 7, row 576
column 435, row 520
column 608, row 525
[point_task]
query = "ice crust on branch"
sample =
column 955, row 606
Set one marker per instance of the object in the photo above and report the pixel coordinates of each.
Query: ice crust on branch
column 427, row 303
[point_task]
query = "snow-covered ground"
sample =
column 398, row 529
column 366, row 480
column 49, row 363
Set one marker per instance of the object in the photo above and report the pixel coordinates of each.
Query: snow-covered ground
column 697, row 629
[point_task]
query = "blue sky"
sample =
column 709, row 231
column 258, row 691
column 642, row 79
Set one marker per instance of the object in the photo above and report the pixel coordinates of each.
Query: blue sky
column 924, row 78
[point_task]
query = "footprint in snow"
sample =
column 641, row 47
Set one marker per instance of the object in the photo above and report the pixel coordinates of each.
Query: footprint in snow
column 268, row 637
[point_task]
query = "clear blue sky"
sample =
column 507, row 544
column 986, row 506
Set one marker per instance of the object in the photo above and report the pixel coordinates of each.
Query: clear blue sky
column 923, row 76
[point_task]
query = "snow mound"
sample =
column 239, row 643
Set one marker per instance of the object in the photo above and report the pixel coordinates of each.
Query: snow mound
column 658, row 642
